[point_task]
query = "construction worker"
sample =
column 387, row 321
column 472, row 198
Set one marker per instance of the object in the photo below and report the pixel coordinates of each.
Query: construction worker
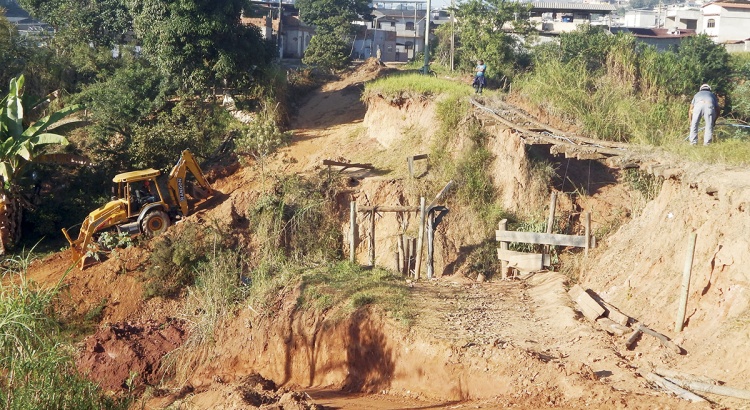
column 704, row 105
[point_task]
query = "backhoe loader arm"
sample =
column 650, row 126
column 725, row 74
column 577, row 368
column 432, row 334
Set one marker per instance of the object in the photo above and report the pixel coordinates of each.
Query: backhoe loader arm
column 99, row 219
column 177, row 179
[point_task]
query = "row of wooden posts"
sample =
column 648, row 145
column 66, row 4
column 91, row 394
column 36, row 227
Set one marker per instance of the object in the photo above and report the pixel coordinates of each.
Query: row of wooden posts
column 408, row 249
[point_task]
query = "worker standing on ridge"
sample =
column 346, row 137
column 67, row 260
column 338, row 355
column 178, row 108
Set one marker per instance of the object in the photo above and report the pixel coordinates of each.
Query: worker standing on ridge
column 704, row 105
column 479, row 79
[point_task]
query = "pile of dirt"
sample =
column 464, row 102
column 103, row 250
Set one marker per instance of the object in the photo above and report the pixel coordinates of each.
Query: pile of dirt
column 249, row 392
column 127, row 356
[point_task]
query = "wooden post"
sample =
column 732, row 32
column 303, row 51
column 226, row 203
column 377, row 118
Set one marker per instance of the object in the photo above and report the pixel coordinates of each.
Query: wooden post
column 430, row 242
column 420, row 239
column 410, row 161
column 503, row 226
column 686, row 272
column 400, row 250
column 372, row 238
column 551, row 220
column 588, row 232
column 409, row 254
column 352, row 231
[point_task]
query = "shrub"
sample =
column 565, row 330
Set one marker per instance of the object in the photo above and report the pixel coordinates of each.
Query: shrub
column 327, row 51
column 298, row 218
column 174, row 260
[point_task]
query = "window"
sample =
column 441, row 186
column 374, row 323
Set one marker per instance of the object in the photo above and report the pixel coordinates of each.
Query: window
column 711, row 23
column 409, row 45
column 410, row 25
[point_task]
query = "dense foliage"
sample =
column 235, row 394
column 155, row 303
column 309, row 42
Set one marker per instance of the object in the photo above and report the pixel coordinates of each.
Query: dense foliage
column 199, row 43
column 332, row 19
column 482, row 32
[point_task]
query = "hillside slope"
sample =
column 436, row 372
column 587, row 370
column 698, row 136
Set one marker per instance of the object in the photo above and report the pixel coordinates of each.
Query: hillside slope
column 491, row 344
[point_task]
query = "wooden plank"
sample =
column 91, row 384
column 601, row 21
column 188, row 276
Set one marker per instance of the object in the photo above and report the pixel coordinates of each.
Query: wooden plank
column 663, row 339
column 712, row 388
column 419, row 156
column 524, row 261
column 667, row 385
column 588, row 306
column 372, row 238
column 352, row 231
column 501, row 226
column 634, row 336
column 420, row 239
column 541, row 238
column 615, row 314
column 388, row 208
column 611, row 327
column 347, row 164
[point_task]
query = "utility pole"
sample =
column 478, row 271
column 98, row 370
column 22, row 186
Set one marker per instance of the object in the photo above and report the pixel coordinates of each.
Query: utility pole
column 426, row 67
column 453, row 33
column 280, row 43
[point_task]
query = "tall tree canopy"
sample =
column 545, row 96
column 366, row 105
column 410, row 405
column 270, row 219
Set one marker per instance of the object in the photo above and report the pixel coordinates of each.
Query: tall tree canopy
column 101, row 22
column 333, row 25
column 13, row 53
column 483, row 31
column 199, row 43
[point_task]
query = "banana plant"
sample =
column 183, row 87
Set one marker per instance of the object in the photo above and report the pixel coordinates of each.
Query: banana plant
column 19, row 147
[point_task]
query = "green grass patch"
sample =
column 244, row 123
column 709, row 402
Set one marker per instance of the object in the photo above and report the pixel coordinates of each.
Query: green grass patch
column 412, row 85
column 351, row 287
column 38, row 368
column 733, row 152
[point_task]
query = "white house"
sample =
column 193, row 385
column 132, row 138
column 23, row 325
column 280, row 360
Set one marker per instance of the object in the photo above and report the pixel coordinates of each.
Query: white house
column 726, row 21
column 641, row 18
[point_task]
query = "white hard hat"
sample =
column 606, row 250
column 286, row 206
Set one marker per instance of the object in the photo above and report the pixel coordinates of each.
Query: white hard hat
column 705, row 87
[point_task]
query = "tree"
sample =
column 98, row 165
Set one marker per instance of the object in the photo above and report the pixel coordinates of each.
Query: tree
column 199, row 43
column 333, row 26
column 101, row 22
column 327, row 51
column 19, row 147
column 13, row 52
column 483, row 29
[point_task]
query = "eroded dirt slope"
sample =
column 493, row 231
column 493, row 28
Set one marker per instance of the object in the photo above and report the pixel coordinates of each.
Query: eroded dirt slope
column 491, row 344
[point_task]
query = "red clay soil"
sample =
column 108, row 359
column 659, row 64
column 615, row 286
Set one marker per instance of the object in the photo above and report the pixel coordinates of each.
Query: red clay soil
column 473, row 345
column 127, row 355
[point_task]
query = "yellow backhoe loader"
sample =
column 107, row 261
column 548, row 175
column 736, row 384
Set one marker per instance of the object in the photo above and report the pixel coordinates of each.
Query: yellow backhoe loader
column 143, row 204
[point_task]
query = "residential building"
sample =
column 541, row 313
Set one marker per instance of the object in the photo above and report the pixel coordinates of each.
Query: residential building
column 641, row 18
column 561, row 17
column 726, row 21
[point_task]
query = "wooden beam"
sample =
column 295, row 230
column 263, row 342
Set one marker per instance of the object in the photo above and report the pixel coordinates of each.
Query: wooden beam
column 587, row 236
column 410, row 161
column 388, row 208
column 372, row 238
column 352, row 231
column 685, row 289
column 588, row 306
column 614, row 313
column 502, row 226
column 420, row 239
column 541, row 238
column 712, row 388
column 663, row 339
column 611, row 327
column 347, row 164
column 667, row 385
column 524, row 261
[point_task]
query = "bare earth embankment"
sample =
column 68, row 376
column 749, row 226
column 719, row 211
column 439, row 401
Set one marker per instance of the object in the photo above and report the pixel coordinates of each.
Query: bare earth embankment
column 518, row 343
